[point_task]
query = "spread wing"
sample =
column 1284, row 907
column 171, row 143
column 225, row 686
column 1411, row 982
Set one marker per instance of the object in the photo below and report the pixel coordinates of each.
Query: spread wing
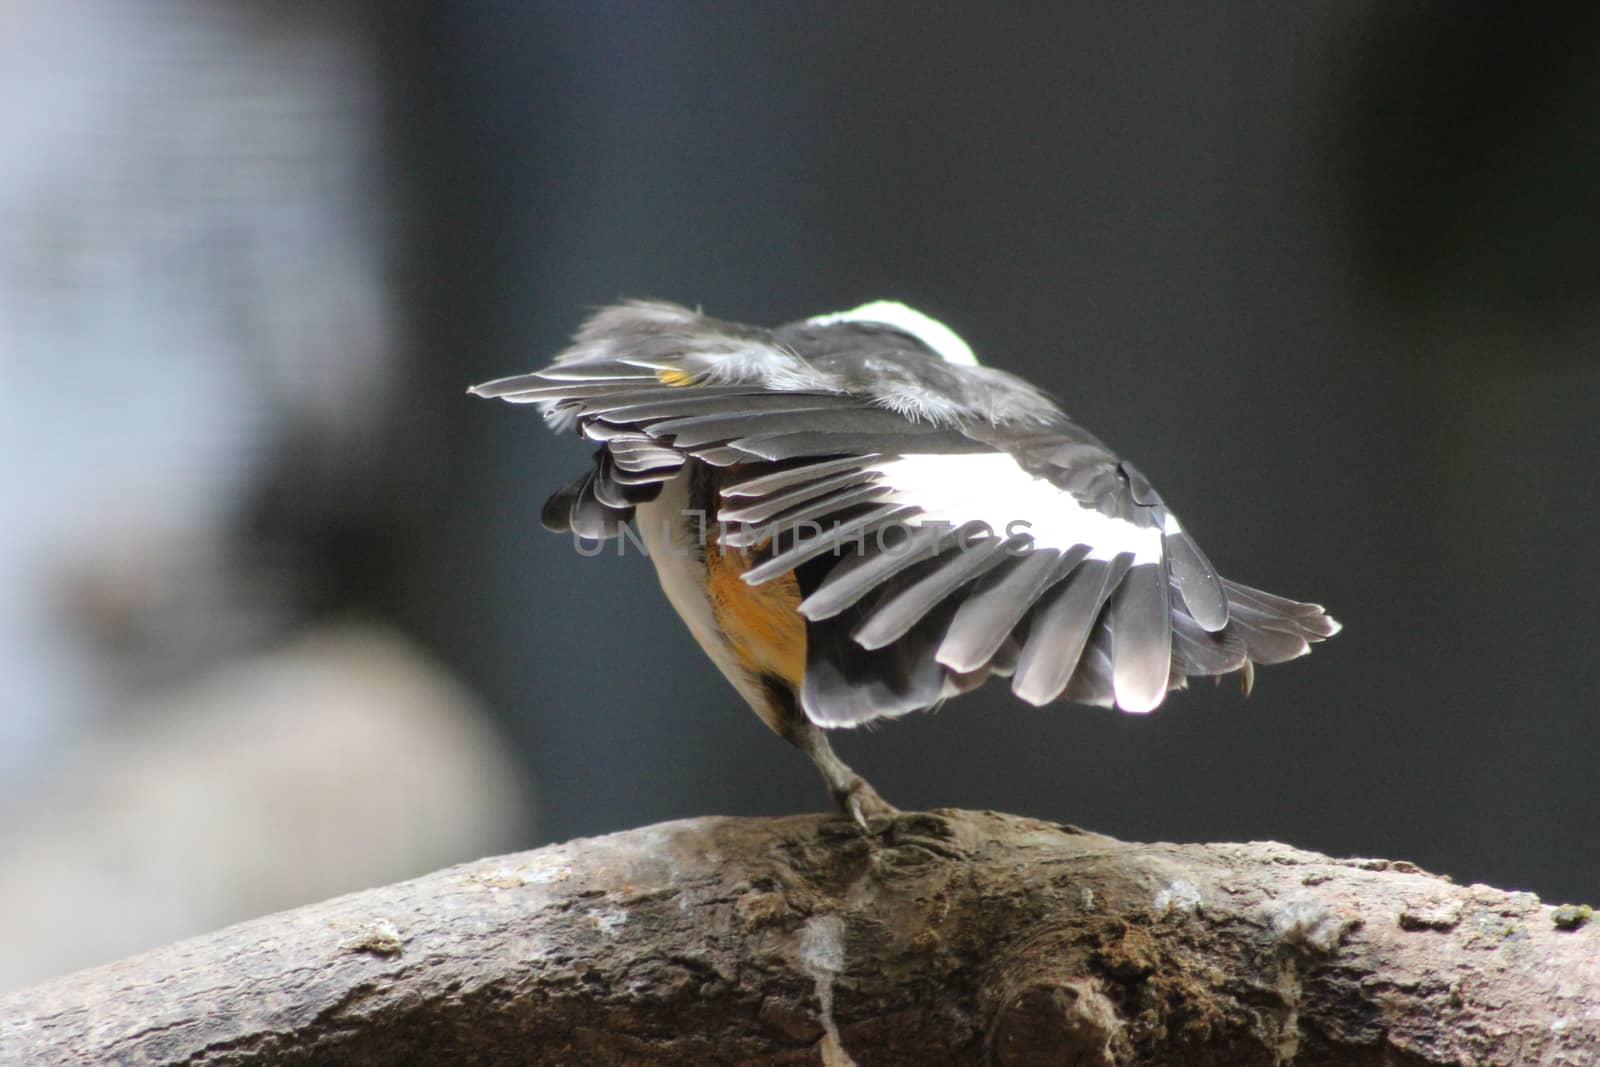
column 945, row 522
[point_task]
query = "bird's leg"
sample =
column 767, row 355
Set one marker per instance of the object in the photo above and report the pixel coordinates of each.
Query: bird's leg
column 854, row 795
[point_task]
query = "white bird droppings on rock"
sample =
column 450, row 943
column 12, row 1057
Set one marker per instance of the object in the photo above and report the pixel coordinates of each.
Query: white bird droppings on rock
column 609, row 921
column 1180, row 895
column 1307, row 921
column 822, row 957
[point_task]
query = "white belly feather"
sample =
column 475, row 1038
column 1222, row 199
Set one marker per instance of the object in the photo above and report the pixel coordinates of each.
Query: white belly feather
column 672, row 536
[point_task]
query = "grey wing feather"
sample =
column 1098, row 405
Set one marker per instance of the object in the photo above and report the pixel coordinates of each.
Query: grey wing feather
column 818, row 421
column 1141, row 623
column 817, row 443
column 723, row 456
column 772, row 481
column 1197, row 581
column 641, row 458
column 825, row 507
column 994, row 608
column 556, row 515
column 1198, row 651
column 841, row 534
column 1061, row 627
column 846, row 685
column 776, row 504
column 1309, row 617
column 706, row 402
column 590, row 517
column 893, row 618
column 856, row 576
column 1092, row 683
column 607, row 489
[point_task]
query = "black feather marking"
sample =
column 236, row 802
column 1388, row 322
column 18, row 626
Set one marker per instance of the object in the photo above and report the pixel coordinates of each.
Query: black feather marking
column 855, row 576
column 1059, row 631
column 1197, row 581
column 556, row 515
column 840, row 535
column 893, row 617
column 998, row 602
column 1141, row 621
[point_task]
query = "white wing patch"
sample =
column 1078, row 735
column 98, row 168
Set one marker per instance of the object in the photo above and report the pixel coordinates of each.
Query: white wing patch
column 930, row 331
column 991, row 488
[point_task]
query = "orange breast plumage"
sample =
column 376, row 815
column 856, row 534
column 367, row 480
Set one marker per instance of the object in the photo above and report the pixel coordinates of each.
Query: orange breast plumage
column 761, row 623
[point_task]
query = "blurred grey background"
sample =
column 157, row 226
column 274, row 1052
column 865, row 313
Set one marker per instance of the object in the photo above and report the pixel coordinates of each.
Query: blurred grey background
column 276, row 616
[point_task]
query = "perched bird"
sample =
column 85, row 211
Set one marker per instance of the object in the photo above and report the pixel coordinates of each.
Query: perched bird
column 856, row 520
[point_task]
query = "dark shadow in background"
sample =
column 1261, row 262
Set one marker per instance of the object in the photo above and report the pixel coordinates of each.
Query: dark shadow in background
column 1325, row 273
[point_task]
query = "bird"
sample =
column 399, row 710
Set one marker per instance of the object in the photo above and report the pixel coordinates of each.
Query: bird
column 857, row 520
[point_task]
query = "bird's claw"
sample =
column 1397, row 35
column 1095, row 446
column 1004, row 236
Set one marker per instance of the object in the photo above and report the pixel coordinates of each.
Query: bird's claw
column 862, row 804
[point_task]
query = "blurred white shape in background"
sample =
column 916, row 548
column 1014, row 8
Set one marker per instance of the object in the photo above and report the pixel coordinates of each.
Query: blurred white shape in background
column 189, row 274
column 338, row 760
column 192, row 304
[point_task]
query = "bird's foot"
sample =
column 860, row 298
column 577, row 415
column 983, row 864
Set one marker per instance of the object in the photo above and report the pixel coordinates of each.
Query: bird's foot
column 864, row 807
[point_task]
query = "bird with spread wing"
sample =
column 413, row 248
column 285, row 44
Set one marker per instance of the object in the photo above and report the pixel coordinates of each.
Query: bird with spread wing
column 857, row 520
